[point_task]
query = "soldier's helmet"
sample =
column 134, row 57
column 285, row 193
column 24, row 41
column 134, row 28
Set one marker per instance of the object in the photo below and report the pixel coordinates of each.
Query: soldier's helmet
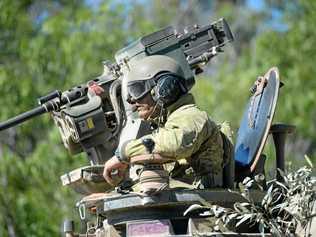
column 160, row 75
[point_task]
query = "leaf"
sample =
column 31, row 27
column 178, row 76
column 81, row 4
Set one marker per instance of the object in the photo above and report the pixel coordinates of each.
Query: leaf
column 275, row 231
column 241, row 188
column 261, row 229
column 240, row 208
column 282, row 185
column 192, row 208
column 246, row 195
column 231, row 216
column 246, row 180
column 249, row 184
column 267, row 198
column 278, row 207
column 244, row 218
column 217, row 221
column 245, row 204
column 309, row 162
column 219, row 211
column 283, row 175
column 216, row 228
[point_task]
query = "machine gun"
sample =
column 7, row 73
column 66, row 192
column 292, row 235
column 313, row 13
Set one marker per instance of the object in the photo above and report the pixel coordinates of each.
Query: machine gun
column 86, row 121
column 191, row 47
column 96, row 125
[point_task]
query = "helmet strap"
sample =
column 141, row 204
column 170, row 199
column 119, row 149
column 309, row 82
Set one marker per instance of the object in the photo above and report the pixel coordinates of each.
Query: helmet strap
column 160, row 116
column 155, row 107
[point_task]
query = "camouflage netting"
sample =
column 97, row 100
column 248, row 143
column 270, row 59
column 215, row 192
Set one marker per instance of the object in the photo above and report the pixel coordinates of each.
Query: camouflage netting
column 288, row 207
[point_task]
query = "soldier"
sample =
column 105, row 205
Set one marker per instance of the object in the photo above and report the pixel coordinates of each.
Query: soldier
column 185, row 134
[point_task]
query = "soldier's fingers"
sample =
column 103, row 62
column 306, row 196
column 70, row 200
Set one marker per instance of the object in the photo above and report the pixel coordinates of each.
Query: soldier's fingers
column 108, row 177
column 104, row 172
column 121, row 172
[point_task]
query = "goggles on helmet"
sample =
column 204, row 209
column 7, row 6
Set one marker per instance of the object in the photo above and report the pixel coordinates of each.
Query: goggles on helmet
column 138, row 89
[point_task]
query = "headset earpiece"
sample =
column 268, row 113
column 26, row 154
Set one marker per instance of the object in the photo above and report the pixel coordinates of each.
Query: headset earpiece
column 168, row 89
column 152, row 92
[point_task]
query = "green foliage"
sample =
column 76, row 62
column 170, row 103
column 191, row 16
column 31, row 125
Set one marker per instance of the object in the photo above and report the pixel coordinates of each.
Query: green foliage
column 47, row 45
column 292, row 50
column 31, row 193
column 294, row 53
column 225, row 95
column 283, row 208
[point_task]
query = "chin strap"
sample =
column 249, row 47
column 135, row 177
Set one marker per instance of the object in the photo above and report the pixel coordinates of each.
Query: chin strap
column 160, row 116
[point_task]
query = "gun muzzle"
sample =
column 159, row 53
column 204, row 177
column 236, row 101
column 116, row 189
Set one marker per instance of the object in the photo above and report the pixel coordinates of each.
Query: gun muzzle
column 22, row 117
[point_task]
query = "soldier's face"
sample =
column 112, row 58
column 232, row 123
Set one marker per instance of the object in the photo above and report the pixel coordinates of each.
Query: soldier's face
column 145, row 107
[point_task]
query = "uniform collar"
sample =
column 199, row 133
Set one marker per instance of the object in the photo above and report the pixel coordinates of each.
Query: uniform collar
column 183, row 100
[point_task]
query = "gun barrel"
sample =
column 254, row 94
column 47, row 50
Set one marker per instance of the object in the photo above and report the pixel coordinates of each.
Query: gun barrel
column 22, row 117
column 51, row 102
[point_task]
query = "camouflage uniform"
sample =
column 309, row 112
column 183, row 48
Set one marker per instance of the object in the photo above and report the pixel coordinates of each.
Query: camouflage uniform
column 189, row 137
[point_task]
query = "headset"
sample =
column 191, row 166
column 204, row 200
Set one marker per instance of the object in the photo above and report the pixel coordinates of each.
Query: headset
column 169, row 87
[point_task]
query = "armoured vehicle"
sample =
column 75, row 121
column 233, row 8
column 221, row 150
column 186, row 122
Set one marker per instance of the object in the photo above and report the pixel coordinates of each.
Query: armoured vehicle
column 98, row 123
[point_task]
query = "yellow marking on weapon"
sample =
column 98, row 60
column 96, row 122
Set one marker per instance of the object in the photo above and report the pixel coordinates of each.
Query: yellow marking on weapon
column 90, row 123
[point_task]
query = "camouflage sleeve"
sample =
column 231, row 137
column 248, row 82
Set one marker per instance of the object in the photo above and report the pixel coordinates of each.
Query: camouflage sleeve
column 135, row 148
column 179, row 138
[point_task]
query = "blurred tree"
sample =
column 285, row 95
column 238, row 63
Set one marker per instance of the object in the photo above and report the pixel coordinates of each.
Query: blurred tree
column 49, row 45
column 59, row 44
column 290, row 47
column 293, row 51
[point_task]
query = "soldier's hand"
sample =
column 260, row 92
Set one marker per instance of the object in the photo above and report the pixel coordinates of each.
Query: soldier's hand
column 112, row 166
column 95, row 88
